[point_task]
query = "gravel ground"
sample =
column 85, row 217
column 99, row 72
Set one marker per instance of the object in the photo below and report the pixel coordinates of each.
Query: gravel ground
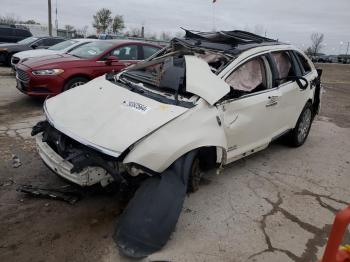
column 276, row 205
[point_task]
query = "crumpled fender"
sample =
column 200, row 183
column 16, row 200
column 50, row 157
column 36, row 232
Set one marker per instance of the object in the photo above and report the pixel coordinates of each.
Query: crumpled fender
column 198, row 127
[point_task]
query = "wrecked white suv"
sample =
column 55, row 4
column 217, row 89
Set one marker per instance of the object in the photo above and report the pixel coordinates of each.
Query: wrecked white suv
column 204, row 101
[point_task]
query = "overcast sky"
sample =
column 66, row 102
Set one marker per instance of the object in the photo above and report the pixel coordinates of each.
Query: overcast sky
column 287, row 20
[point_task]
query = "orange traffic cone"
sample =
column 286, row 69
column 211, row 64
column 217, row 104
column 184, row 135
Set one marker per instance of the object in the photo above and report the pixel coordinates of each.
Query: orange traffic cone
column 334, row 252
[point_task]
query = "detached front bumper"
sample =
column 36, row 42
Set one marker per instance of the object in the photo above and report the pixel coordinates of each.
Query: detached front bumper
column 87, row 177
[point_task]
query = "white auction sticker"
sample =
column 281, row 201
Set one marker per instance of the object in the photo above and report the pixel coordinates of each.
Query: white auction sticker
column 136, row 106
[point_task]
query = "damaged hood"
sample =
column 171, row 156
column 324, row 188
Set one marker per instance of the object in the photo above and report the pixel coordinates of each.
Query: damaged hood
column 200, row 80
column 107, row 117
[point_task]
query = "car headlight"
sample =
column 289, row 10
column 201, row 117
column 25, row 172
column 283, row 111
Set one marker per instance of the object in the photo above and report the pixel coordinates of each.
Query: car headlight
column 48, row 72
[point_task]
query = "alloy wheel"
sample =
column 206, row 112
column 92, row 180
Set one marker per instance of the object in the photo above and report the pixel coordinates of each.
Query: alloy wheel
column 304, row 125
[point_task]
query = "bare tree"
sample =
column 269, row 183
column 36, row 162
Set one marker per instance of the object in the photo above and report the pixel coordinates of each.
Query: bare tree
column 151, row 35
column 9, row 19
column 165, row 36
column 30, row 22
column 83, row 30
column 309, row 52
column 102, row 20
column 179, row 34
column 316, row 42
column 69, row 28
column 118, row 23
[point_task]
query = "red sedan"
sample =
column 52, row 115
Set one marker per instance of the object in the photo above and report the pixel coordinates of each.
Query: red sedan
column 51, row 75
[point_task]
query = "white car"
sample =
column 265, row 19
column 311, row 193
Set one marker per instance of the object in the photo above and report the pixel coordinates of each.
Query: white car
column 60, row 48
column 204, row 101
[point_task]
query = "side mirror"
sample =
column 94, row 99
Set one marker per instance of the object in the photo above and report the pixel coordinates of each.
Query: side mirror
column 34, row 46
column 110, row 59
column 301, row 81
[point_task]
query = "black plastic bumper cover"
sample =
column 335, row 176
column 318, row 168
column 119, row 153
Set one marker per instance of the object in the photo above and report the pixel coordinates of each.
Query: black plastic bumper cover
column 152, row 214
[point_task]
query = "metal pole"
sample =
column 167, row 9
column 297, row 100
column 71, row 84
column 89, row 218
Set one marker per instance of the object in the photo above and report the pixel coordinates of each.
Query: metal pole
column 347, row 49
column 214, row 22
column 50, row 22
column 56, row 21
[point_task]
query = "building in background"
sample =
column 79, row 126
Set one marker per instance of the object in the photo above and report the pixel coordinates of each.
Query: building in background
column 43, row 30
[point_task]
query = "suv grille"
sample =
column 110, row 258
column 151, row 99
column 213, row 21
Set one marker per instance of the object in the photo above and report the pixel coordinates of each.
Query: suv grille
column 22, row 75
column 15, row 60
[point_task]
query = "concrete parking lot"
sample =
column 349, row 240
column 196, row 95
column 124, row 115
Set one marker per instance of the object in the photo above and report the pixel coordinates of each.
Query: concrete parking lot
column 277, row 205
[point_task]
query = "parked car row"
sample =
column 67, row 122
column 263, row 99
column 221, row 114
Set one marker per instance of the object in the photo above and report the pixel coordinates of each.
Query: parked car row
column 84, row 60
column 7, row 50
column 60, row 48
column 342, row 59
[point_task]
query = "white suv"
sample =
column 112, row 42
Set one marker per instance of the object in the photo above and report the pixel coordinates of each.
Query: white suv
column 204, row 101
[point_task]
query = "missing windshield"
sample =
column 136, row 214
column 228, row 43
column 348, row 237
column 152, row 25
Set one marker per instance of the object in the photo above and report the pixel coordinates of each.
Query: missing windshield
column 167, row 76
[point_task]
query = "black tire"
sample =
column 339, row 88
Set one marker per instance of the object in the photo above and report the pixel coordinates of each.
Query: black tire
column 8, row 60
column 75, row 81
column 299, row 134
column 195, row 176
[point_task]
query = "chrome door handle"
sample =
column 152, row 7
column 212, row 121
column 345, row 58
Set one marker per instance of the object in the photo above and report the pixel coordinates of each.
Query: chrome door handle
column 272, row 101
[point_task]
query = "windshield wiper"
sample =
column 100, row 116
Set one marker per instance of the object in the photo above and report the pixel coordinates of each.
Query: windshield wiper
column 74, row 55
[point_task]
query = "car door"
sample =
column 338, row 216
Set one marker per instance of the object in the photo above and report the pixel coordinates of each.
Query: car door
column 250, row 113
column 293, row 98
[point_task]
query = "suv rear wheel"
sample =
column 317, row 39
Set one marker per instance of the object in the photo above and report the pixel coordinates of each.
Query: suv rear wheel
column 298, row 135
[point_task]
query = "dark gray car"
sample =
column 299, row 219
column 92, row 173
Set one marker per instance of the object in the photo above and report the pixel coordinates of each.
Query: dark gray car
column 8, row 49
column 13, row 34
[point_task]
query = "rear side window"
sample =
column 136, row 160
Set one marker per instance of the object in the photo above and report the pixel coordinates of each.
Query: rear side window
column 284, row 64
column 128, row 52
column 304, row 63
column 49, row 42
column 148, row 51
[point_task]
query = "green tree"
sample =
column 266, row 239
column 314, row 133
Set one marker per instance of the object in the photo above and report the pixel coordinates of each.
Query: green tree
column 102, row 19
column 118, row 23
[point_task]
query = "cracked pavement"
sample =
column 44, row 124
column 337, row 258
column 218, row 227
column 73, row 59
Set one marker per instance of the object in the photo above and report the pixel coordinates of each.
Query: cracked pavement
column 276, row 205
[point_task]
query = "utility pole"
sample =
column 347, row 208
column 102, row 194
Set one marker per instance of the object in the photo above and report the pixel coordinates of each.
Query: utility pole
column 50, row 22
column 347, row 49
column 56, row 20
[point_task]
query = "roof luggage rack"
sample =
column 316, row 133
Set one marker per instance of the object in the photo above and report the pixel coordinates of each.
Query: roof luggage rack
column 234, row 37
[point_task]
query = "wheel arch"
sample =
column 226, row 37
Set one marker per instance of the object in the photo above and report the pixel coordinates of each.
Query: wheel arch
column 195, row 130
column 74, row 76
